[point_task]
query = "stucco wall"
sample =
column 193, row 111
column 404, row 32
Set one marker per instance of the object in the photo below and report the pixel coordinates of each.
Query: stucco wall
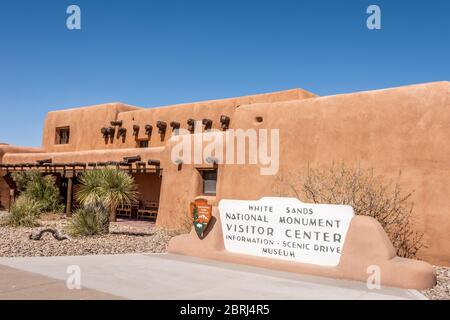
column 392, row 131
column 8, row 149
column 85, row 125
column 402, row 129
column 84, row 156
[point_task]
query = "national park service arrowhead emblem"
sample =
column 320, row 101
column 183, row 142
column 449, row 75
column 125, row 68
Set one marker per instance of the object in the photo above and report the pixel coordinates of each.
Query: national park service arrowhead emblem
column 201, row 214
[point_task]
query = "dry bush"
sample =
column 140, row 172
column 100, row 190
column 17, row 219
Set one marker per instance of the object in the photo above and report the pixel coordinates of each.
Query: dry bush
column 367, row 194
column 42, row 189
column 185, row 228
column 24, row 213
column 186, row 223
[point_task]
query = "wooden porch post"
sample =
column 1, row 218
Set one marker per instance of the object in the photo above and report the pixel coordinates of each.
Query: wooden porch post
column 11, row 196
column 69, row 196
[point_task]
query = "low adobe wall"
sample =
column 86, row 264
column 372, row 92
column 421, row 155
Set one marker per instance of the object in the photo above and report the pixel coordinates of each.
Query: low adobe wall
column 366, row 245
column 6, row 149
column 84, row 156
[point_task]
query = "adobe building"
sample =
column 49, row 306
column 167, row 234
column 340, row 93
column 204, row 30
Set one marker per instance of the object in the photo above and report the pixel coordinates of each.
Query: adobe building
column 401, row 129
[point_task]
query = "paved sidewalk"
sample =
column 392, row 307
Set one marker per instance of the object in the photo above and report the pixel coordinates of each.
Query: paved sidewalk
column 21, row 285
column 159, row 276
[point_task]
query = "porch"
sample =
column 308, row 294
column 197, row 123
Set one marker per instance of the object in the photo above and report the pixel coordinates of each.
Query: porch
column 148, row 177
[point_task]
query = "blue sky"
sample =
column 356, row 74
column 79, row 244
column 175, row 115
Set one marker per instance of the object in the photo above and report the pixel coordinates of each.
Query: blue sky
column 152, row 53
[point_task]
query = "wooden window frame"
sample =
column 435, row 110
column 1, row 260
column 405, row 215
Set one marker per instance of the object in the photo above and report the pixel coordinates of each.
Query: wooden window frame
column 59, row 138
column 206, row 179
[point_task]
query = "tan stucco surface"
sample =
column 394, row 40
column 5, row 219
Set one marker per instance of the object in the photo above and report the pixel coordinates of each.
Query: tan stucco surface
column 85, row 124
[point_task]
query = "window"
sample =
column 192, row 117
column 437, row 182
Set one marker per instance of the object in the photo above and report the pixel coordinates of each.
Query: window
column 62, row 135
column 209, row 181
column 143, row 143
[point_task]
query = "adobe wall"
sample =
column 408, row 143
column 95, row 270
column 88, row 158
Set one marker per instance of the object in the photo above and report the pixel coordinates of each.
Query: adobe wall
column 213, row 110
column 7, row 149
column 84, row 156
column 402, row 129
column 178, row 189
column 85, row 123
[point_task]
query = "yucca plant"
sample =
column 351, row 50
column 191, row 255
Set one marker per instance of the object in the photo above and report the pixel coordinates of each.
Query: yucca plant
column 89, row 220
column 109, row 186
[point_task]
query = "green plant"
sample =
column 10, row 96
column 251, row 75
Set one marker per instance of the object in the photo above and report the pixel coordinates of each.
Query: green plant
column 22, row 178
column 368, row 194
column 41, row 189
column 45, row 192
column 110, row 186
column 24, row 213
column 89, row 220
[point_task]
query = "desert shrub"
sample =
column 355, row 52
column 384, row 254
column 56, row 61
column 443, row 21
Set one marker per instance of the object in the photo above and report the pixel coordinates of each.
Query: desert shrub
column 186, row 224
column 21, row 178
column 368, row 194
column 24, row 213
column 89, row 220
column 41, row 189
column 186, row 219
column 109, row 186
column 45, row 192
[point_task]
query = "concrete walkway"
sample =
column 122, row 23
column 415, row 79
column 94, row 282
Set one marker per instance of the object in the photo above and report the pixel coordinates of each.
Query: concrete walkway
column 21, row 285
column 159, row 276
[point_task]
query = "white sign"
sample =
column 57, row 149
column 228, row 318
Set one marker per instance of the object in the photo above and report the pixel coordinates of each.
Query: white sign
column 286, row 229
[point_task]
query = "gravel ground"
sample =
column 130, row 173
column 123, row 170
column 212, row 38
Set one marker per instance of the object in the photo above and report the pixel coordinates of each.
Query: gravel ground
column 442, row 290
column 14, row 242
